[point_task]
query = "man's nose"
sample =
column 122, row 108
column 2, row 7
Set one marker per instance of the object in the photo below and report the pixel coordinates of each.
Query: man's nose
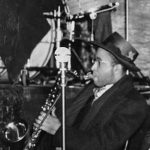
column 93, row 67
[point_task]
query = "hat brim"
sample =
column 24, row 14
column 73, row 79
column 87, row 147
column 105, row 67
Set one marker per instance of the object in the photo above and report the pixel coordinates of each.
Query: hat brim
column 122, row 59
column 125, row 47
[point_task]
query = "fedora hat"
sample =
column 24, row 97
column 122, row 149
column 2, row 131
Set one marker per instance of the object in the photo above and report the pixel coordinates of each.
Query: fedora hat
column 125, row 47
column 120, row 49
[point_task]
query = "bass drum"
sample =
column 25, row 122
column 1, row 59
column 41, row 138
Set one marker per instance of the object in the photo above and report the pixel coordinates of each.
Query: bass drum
column 40, row 54
column 43, row 50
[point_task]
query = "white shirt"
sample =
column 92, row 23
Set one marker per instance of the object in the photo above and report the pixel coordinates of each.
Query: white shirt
column 100, row 91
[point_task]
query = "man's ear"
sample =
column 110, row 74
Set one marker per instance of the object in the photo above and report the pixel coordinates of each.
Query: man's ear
column 117, row 68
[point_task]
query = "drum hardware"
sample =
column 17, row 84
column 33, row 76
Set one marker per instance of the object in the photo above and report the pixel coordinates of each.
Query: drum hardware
column 109, row 7
column 53, row 15
column 79, row 14
column 47, row 15
column 58, row 30
column 93, row 16
column 47, row 73
column 45, row 70
column 66, row 8
column 25, row 76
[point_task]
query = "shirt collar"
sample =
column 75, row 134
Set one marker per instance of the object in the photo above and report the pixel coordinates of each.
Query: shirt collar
column 99, row 91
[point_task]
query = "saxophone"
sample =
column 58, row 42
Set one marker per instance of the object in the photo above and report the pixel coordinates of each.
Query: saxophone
column 50, row 102
column 47, row 108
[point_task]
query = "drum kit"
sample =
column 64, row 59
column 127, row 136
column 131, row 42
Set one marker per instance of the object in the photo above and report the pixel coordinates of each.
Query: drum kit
column 74, row 10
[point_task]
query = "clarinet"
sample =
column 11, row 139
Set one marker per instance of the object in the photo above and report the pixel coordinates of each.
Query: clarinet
column 47, row 108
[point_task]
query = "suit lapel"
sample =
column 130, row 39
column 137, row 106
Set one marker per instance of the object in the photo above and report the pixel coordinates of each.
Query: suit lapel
column 78, row 104
column 96, row 107
column 108, row 97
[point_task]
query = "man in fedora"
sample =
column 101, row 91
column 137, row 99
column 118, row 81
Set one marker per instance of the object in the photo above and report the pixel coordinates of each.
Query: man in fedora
column 109, row 111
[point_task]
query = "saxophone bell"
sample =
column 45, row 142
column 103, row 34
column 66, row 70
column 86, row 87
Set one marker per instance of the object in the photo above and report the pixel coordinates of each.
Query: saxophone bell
column 15, row 131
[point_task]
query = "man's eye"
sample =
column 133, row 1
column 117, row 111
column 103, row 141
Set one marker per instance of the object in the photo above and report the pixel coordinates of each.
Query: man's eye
column 93, row 60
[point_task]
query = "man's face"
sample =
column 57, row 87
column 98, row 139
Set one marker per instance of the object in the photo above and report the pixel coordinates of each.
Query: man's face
column 103, row 68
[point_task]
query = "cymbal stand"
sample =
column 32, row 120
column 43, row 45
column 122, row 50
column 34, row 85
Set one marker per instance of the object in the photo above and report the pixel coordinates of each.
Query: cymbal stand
column 72, row 28
column 93, row 16
column 126, row 19
column 58, row 30
column 66, row 8
column 71, row 25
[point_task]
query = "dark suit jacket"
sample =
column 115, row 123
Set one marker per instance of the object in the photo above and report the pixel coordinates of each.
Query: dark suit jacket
column 109, row 123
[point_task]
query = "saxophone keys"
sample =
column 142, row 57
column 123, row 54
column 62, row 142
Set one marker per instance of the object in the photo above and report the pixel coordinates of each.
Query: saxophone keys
column 53, row 95
column 47, row 107
column 44, row 108
column 52, row 100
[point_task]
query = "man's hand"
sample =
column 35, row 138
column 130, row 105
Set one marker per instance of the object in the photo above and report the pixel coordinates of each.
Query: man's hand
column 51, row 124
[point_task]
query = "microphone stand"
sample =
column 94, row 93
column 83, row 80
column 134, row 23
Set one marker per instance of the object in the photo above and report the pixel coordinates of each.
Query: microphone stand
column 63, row 85
column 63, row 57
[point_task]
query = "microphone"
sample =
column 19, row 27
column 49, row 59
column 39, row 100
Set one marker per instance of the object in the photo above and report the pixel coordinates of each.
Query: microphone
column 63, row 58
